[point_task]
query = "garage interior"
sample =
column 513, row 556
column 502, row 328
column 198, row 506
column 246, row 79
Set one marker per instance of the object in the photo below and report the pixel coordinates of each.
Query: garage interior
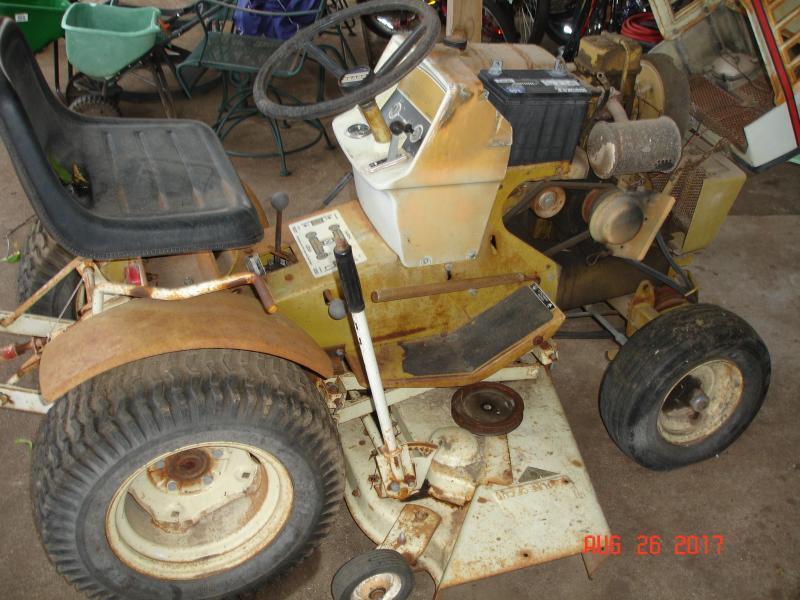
column 750, row 494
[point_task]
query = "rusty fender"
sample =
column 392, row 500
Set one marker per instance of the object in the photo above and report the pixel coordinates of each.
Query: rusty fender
column 141, row 328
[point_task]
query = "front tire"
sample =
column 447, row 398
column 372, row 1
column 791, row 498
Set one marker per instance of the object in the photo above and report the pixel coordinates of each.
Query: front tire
column 685, row 386
column 198, row 474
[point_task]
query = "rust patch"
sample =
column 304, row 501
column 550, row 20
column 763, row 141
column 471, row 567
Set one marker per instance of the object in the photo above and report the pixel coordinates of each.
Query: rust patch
column 142, row 328
column 412, row 532
column 576, row 462
column 397, row 334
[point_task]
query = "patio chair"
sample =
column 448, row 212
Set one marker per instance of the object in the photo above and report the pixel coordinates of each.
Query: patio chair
column 238, row 57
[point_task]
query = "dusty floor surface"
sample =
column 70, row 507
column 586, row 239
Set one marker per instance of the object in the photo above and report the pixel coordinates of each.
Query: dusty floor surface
column 750, row 494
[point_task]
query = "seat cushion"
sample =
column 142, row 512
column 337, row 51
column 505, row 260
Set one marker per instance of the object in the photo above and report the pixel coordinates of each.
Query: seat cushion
column 158, row 187
column 155, row 170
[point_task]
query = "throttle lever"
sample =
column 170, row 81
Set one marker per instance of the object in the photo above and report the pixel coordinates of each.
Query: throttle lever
column 397, row 128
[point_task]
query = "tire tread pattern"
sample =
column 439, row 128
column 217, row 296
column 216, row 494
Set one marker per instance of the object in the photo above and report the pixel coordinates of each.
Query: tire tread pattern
column 42, row 258
column 677, row 340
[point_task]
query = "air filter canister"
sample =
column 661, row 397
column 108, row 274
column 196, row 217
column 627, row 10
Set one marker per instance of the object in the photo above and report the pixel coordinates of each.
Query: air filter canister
column 628, row 147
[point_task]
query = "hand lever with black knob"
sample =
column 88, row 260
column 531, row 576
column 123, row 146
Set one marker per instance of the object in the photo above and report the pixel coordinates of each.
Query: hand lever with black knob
column 279, row 201
column 397, row 128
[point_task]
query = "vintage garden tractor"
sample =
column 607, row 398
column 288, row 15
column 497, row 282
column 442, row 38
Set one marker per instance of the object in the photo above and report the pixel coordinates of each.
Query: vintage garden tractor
column 214, row 386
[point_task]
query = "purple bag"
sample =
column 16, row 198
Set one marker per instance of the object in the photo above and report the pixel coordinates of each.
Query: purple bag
column 279, row 28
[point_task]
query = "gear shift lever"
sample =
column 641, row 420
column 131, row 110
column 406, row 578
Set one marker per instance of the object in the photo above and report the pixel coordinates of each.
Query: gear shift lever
column 279, row 201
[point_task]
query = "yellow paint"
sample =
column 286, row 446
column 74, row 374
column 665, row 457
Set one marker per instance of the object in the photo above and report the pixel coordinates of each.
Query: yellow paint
column 721, row 187
column 299, row 294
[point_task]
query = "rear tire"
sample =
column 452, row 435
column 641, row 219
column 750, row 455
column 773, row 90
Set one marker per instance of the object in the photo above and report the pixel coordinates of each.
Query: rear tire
column 41, row 259
column 646, row 391
column 114, row 449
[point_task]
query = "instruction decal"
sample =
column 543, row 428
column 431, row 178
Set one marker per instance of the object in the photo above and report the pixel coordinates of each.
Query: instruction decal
column 542, row 297
column 317, row 237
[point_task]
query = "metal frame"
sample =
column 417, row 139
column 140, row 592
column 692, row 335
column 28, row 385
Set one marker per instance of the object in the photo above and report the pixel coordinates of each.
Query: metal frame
column 103, row 294
column 13, row 396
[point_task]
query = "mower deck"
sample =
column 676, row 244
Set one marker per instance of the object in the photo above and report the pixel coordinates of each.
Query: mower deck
column 534, row 502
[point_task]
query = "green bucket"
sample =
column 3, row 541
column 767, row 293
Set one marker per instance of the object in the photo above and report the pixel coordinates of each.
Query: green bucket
column 39, row 20
column 102, row 40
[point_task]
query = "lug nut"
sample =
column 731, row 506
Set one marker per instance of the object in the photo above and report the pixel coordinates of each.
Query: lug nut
column 207, row 479
column 172, row 486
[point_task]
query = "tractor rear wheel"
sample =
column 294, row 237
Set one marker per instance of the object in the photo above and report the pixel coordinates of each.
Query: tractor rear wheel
column 197, row 474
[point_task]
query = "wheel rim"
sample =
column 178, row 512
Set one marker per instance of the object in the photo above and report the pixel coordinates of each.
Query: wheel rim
column 700, row 402
column 202, row 509
column 383, row 586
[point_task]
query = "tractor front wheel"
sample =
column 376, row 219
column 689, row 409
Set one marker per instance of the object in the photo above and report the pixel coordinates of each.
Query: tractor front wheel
column 684, row 386
column 198, row 474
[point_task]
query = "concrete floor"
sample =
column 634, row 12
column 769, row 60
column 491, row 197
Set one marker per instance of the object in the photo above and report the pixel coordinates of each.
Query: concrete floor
column 750, row 494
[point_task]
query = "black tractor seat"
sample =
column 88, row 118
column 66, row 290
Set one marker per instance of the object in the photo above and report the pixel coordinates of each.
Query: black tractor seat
column 155, row 187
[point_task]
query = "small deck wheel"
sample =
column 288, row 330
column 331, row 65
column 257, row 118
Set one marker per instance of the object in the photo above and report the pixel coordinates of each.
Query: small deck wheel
column 685, row 386
column 380, row 574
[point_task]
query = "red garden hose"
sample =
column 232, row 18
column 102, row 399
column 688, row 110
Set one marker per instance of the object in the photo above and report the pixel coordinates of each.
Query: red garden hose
column 642, row 28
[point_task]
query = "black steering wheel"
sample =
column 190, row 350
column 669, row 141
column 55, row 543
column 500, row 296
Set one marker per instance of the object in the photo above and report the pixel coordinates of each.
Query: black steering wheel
column 359, row 84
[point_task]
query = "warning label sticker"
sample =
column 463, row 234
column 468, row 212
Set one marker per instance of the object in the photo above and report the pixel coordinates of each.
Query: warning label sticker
column 317, row 237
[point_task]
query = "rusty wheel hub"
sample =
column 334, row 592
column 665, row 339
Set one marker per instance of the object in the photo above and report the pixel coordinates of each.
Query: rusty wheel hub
column 487, row 408
column 188, row 466
column 201, row 509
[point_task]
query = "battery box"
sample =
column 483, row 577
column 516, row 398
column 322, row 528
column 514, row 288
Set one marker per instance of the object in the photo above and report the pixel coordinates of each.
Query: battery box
column 546, row 110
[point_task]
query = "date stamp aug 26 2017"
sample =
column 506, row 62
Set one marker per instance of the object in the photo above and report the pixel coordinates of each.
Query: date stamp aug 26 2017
column 655, row 545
